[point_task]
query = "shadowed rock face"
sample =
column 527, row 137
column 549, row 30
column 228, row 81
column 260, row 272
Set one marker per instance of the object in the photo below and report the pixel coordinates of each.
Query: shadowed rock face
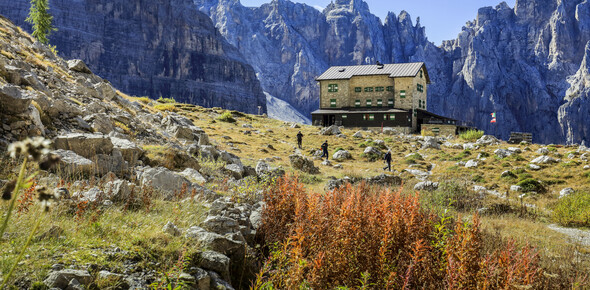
column 154, row 49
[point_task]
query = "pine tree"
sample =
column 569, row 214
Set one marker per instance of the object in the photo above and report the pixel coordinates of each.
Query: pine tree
column 41, row 20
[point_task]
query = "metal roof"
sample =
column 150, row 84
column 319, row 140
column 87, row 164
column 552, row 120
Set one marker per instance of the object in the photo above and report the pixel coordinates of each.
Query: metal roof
column 393, row 70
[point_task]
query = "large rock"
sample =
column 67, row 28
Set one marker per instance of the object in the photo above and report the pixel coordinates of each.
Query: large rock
column 503, row 153
column 130, row 151
column 430, row 142
column 118, row 190
column 13, row 100
column 303, row 163
column 72, row 164
column 218, row 262
column 221, row 225
column 544, row 160
column 101, row 123
column 61, row 279
column 87, row 145
column 213, row 241
column 565, row 192
column 164, row 180
column 472, row 163
column 342, row 155
column 373, row 151
column 193, row 175
column 78, row 65
column 332, row 130
column 426, row 185
column 487, row 140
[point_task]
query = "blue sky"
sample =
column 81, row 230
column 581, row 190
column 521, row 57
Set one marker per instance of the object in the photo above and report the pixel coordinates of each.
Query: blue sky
column 443, row 19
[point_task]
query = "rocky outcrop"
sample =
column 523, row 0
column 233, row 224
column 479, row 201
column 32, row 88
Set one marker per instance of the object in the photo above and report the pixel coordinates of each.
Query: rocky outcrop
column 151, row 49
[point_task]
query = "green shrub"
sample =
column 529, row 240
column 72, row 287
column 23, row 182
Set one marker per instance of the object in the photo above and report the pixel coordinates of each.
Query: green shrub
column 573, row 210
column 226, row 117
column 571, row 163
column 478, row 178
column 166, row 100
column 413, row 158
column 471, row 135
column 530, row 184
column 524, row 176
column 371, row 156
column 509, row 175
column 371, row 143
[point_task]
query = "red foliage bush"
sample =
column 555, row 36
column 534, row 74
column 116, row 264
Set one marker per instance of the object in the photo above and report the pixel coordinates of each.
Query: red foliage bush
column 371, row 237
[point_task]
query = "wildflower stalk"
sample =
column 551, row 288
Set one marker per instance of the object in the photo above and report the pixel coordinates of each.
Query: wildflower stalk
column 19, row 182
column 22, row 253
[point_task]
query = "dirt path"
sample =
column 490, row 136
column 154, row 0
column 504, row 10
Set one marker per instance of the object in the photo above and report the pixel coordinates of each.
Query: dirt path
column 577, row 236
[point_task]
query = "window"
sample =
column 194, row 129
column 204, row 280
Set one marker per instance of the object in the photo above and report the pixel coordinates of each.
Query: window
column 333, row 88
column 389, row 117
column 379, row 103
column 420, row 73
column 402, row 94
column 390, row 102
column 344, row 116
column 369, row 102
column 419, row 87
column 378, row 89
column 357, row 103
column 333, row 103
column 369, row 117
column 390, row 88
column 357, row 89
column 368, row 89
column 420, row 104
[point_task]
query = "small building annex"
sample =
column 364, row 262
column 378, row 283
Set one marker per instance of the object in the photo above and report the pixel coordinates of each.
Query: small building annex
column 379, row 95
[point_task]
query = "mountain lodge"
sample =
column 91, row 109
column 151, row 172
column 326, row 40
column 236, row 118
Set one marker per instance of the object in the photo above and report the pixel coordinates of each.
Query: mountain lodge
column 379, row 95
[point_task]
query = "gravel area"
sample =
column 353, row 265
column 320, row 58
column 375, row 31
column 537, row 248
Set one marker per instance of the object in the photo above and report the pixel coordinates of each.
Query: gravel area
column 577, row 236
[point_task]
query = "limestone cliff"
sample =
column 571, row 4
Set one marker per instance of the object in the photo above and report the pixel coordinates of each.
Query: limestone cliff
column 146, row 48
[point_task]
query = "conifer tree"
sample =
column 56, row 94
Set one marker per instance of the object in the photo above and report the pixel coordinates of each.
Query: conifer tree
column 41, row 20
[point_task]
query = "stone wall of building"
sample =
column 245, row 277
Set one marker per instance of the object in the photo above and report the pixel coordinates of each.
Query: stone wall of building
column 439, row 129
column 341, row 96
column 372, row 82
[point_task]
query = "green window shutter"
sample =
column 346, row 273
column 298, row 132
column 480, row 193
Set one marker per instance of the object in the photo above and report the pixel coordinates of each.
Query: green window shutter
column 368, row 89
column 379, row 102
column 390, row 88
column 364, row 116
column 369, row 102
column 420, row 73
column 378, row 89
column 357, row 89
column 392, row 116
column 333, row 88
column 344, row 116
column 402, row 94
column 333, row 103
column 390, row 102
column 357, row 103
column 371, row 117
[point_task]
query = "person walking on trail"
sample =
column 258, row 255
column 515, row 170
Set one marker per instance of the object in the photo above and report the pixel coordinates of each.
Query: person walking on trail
column 325, row 149
column 387, row 159
column 299, row 139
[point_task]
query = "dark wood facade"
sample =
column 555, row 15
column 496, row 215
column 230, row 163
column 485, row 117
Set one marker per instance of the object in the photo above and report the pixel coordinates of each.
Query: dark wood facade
column 349, row 117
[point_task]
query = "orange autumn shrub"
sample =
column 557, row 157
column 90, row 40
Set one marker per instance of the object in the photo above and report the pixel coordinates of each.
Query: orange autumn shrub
column 374, row 238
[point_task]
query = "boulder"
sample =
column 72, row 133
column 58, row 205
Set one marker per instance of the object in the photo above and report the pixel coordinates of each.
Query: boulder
column 213, row 241
column 220, row 224
column 543, row 151
column 130, row 151
column 202, row 279
column 62, row 278
column 326, row 163
column 515, row 188
column 218, row 283
column 215, row 261
column 262, row 167
column 171, row 229
column 209, row 152
column 534, row 166
column 90, row 195
column 384, row 180
column 193, row 175
column 105, row 90
column 426, row 185
column 373, row 151
column 358, row 134
column 303, row 163
column 420, row 174
column 87, row 145
column 13, row 100
column 565, row 192
column 503, row 153
column 342, row 155
column 118, row 190
column 234, row 170
column 544, row 160
column 164, row 180
column 471, row 163
column 100, row 123
column 487, row 140
column 514, row 150
column 78, row 65
column 181, row 127
column 332, row 130
column 73, row 164
column 430, row 142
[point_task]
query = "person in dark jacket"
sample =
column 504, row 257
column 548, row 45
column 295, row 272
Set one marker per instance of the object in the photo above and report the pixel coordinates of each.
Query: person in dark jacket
column 387, row 159
column 325, row 149
column 299, row 139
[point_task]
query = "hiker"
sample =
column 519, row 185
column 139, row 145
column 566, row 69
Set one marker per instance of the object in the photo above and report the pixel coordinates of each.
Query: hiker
column 299, row 139
column 325, row 150
column 387, row 159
